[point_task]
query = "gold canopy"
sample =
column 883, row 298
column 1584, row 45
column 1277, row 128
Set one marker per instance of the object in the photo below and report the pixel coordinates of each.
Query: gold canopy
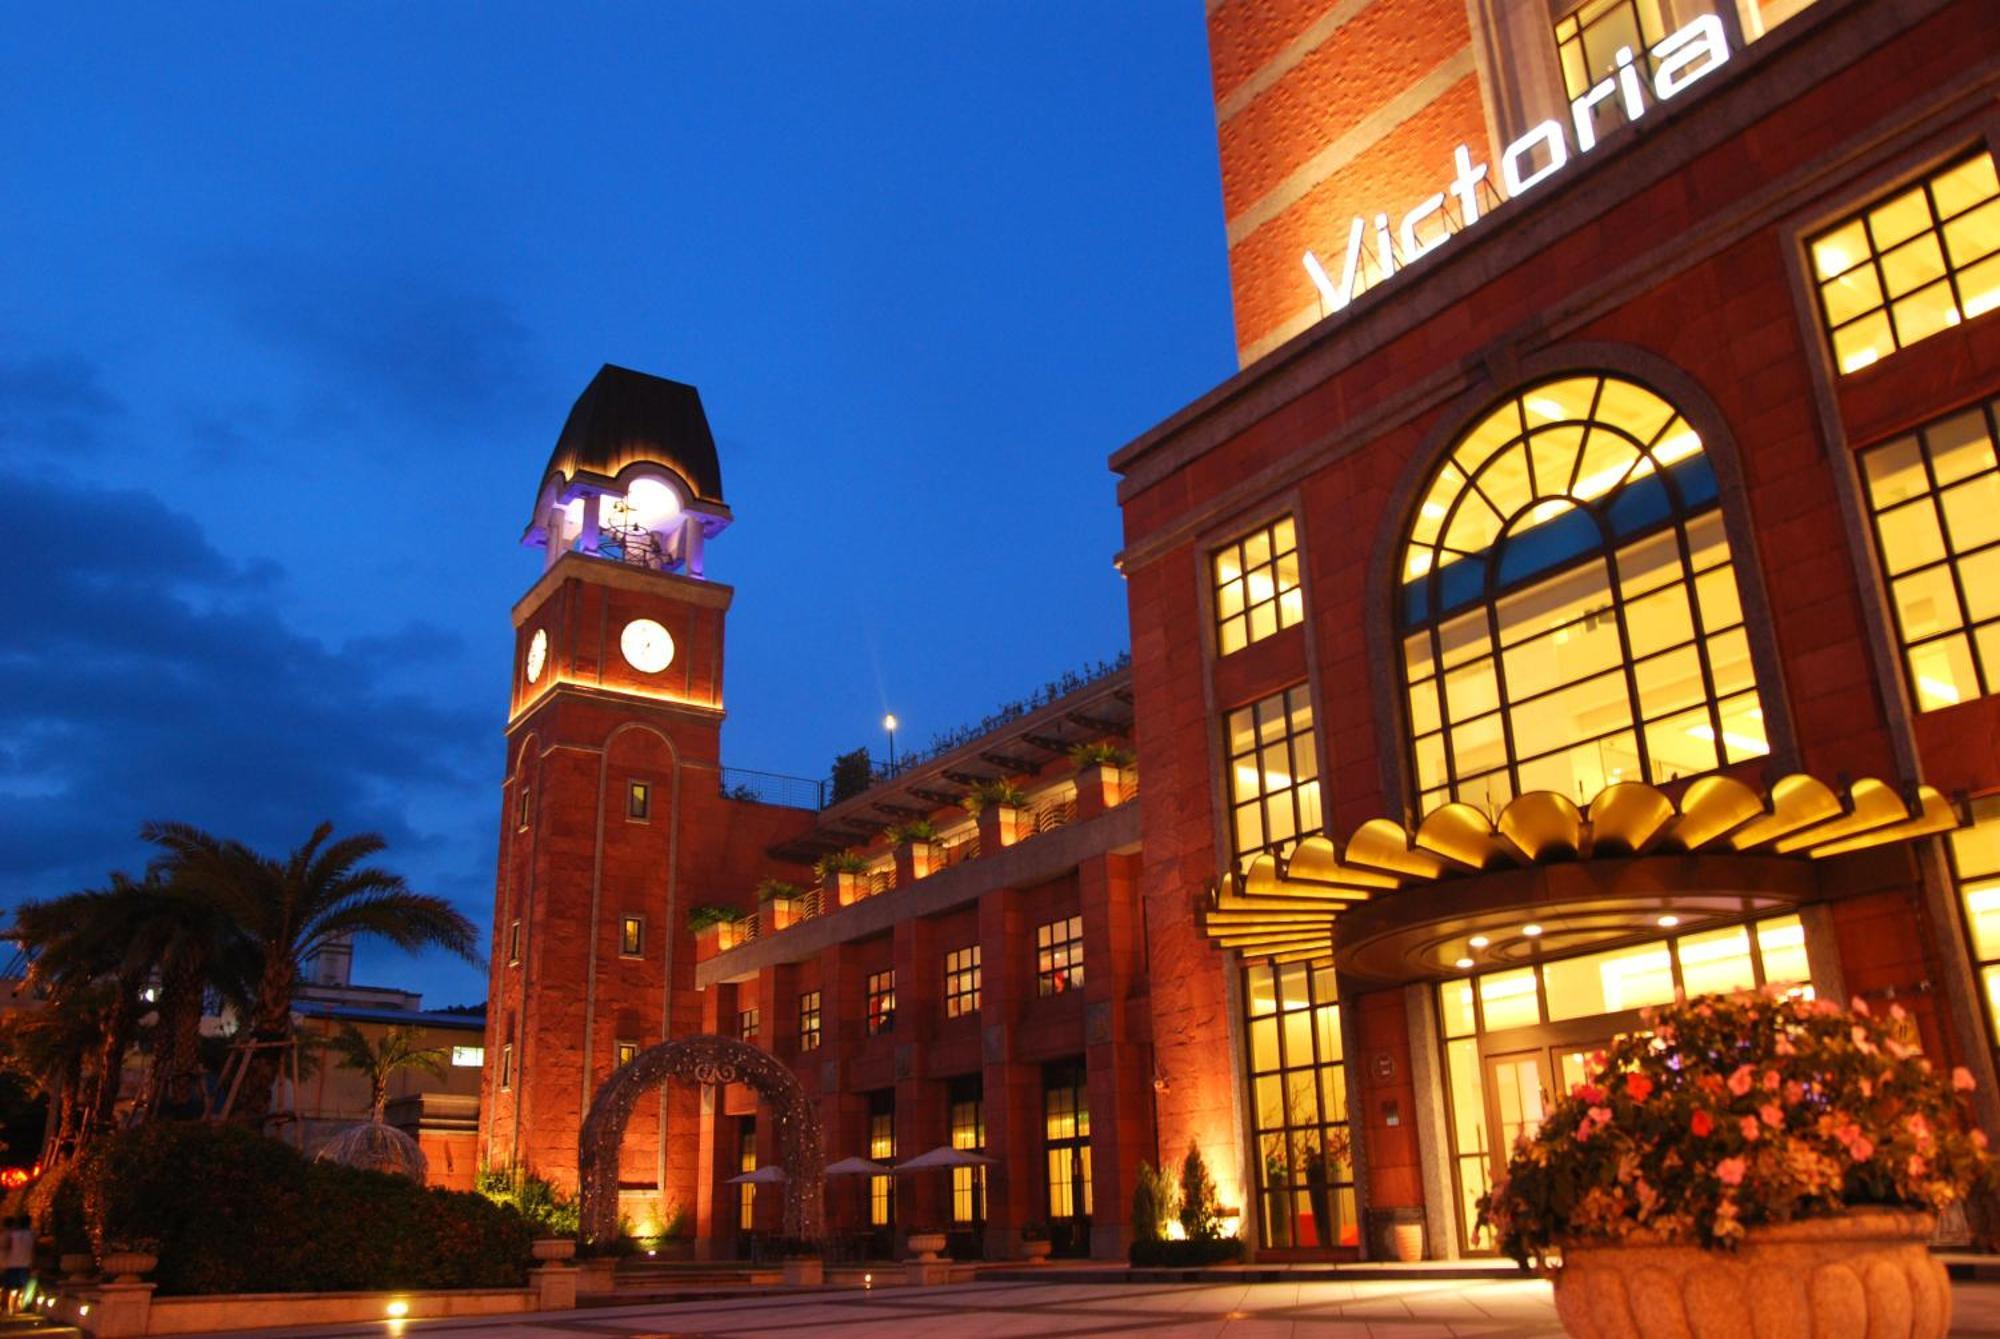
column 1286, row 908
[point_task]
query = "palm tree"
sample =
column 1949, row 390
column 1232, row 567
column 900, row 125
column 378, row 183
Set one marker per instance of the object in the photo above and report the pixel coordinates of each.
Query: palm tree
column 287, row 909
column 49, row 1047
column 195, row 948
column 398, row 1050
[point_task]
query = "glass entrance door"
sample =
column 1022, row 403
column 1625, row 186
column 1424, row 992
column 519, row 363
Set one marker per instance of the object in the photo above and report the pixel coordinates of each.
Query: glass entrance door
column 1519, row 1090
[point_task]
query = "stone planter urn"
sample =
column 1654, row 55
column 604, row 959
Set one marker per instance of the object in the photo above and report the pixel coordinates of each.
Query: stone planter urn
column 550, row 1250
column 804, row 1271
column 127, row 1266
column 76, row 1264
column 1035, row 1252
column 1869, row 1272
column 926, row 1245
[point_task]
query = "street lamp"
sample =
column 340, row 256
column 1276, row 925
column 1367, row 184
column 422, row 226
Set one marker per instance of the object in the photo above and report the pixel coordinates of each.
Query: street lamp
column 889, row 724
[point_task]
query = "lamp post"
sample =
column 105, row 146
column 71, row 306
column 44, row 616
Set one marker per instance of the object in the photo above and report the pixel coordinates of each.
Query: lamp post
column 889, row 724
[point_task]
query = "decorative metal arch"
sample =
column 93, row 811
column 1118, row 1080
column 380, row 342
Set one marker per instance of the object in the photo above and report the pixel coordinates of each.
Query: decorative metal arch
column 706, row 1060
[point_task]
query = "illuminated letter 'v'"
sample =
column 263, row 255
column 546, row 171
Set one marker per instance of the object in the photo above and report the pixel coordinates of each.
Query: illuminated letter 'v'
column 1350, row 270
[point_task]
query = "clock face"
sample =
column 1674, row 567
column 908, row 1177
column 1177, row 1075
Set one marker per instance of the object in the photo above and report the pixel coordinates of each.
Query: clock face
column 648, row 647
column 538, row 653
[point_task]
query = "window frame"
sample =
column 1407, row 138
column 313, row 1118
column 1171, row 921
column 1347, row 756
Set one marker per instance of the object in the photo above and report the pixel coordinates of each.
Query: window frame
column 1268, row 533
column 880, row 1002
column 1053, row 976
column 1293, row 700
column 631, row 935
column 623, row 1053
column 810, row 1021
column 506, row 1066
column 638, row 801
column 514, row 943
column 963, row 981
column 749, row 1024
column 522, row 811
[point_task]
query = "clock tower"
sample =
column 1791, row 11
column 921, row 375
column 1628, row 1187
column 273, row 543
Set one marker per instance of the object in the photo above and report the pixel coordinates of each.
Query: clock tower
column 614, row 819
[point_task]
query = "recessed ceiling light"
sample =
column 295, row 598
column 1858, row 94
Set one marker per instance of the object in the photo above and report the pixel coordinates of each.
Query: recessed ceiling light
column 1531, row 930
column 1669, row 922
column 1478, row 941
column 1463, row 963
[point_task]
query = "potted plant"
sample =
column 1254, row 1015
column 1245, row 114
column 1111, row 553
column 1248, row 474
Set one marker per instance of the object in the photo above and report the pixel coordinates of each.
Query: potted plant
column 553, row 1250
column 777, row 904
column 715, row 929
column 802, row 1264
column 926, row 1242
column 999, row 806
column 1100, row 777
column 1035, row 1244
column 1757, row 1159
column 842, row 877
column 124, row 1261
column 913, row 841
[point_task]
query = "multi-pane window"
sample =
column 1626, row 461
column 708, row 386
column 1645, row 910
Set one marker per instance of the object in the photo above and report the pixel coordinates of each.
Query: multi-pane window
column 1588, row 39
column 882, row 1148
column 1273, row 773
column 1975, row 855
column 746, row 1161
column 468, row 1057
column 638, row 801
column 1257, row 586
column 968, row 1132
column 961, row 981
column 1298, row 1097
column 1059, row 956
column 1921, row 261
column 1499, row 1084
column 746, row 1024
column 1935, row 496
column 1569, row 606
column 632, row 936
column 627, row 1052
column 881, row 1002
column 1066, row 1137
column 809, row 1021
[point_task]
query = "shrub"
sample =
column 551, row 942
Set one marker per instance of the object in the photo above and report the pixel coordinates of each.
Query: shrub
column 1155, row 1201
column 548, row 1211
column 1111, row 755
column 994, row 791
column 701, row 917
column 912, row 830
column 1735, row 1111
column 1187, row 1254
column 1200, row 1214
column 234, row 1212
column 840, row 862
column 776, row 890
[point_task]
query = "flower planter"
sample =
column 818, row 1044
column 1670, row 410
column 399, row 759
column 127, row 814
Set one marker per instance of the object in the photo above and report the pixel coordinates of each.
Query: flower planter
column 548, row 1249
column 76, row 1264
column 914, row 860
column 840, row 888
column 926, row 1245
column 1867, row 1273
column 1035, row 1252
column 807, row 1272
column 1099, row 786
column 777, row 913
column 1000, row 825
column 127, row 1266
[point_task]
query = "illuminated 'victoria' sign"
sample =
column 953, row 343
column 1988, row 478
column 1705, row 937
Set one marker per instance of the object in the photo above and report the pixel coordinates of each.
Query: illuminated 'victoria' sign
column 1681, row 59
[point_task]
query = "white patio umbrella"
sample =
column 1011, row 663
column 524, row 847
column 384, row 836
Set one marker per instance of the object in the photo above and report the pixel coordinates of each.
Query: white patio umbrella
column 945, row 1156
column 857, row 1167
column 763, row 1176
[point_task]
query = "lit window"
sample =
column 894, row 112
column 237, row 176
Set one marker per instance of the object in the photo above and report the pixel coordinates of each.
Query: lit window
column 632, row 936
column 968, row 1132
column 1059, row 956
column 961, row 982
column 881, row 1148
column 514, row 942
column 638, row 801
column 1570, row 610
column 1257, row 586
column 1066, row 1140
column 746, row 1025
column 1975, row 857
column 507, row 1066
column 809, row 1021
column 881, row 1002
column 1588, row 40
column 1273, row 773
column 627, row 1052
column 746, row 1161
column 1298, row 1099
column 468, row 1057
column 1917, row 263
column 1935, row 496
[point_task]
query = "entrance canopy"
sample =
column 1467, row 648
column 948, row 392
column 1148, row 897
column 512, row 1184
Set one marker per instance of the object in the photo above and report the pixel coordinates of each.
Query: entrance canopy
column 1461, row 891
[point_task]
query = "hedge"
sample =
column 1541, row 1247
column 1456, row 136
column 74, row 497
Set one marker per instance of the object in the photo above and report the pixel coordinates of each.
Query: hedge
column 1187, row 1254
column 234, row 1211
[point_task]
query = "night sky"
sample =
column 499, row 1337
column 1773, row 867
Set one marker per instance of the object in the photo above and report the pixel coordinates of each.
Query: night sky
column 297, row 297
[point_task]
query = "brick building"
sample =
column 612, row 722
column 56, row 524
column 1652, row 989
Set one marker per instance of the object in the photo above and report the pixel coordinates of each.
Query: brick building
column 1588, row 588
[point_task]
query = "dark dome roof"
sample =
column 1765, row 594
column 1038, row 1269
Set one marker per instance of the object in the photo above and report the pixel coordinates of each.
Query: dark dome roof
column 626, row 418
column 375, row 1147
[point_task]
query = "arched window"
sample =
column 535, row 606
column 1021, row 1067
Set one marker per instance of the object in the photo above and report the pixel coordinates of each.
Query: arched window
column 1569, row 611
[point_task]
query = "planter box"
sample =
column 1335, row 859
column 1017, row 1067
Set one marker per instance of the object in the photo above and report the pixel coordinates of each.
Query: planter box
column 1000, row 825
column 843, row 889
column 1099, row 786
column 778, row 913
column 914, row 860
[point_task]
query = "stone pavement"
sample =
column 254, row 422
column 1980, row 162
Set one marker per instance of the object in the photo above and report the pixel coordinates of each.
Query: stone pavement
column 1510, row 1309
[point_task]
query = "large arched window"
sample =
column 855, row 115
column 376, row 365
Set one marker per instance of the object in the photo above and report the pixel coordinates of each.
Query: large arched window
column 1569, row 611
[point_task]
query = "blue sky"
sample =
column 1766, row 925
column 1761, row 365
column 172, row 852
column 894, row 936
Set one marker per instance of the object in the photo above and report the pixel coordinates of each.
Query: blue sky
column 297, row 297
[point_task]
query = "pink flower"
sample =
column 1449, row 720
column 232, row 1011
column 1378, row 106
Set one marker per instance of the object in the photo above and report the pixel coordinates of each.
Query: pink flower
column 1962, row 1080
column 1916, row 1167
column 1861, row 1042
column 1859, row 1006
column 1730, row 1171
column 1783, row 1046
column 1602, row 1115
column 1861, row 1149
column 1638, row 1087
column 1587, row 1093
column 1896, row 1012
column 1773, row 1114
column 1979, row 1138
column 1771, row 1080
column 1701, row 1124
column 1740, row 1081
column 1750, row 1128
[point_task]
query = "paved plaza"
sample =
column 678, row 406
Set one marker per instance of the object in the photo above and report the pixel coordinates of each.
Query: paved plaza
column 1511, row 1309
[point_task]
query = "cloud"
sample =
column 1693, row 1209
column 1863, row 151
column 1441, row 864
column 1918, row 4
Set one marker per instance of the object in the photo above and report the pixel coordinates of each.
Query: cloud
column 144, row 674
column 52, row 406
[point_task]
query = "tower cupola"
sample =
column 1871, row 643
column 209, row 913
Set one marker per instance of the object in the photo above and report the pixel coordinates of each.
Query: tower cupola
column 633, row 477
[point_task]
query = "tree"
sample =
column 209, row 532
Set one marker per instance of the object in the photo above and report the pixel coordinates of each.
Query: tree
column 287, row 909
column 48, row 1048
column 1201, row 1215
column 380, row 1061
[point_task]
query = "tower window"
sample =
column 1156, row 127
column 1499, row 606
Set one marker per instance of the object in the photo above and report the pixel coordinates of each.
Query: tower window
column 881, row 1002
column 632, row 936
column 514, row 943
column 809, row 1021
column 628, row 1051
column 1059, row 956
column 961, row 981
column 1919, row 262
column 507, row 1066
column 1257, row 586
column 521, row 808
column 638, row 801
